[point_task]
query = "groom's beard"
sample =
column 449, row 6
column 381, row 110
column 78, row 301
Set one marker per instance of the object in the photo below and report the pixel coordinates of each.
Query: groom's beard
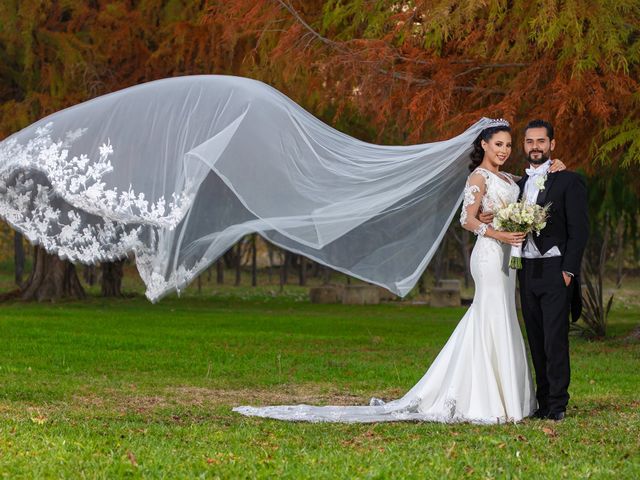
column 544, row 156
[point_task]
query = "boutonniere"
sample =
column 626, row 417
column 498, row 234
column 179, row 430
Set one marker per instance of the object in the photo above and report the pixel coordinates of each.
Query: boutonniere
column 539, row 182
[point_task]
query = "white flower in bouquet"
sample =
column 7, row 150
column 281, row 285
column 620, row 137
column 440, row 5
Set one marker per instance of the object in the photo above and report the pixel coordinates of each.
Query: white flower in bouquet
column 524, row 217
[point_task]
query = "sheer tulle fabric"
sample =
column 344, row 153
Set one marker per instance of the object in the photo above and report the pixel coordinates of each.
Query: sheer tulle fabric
column 481, row 375
column 177, row 170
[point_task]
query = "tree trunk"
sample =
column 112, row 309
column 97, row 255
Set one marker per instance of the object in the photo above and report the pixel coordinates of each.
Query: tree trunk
column 90, row 274
column 220, row 271
column 422, row 289
column 283, row 269
column 302, row 272
column 112, row 278
column 238, row 262
column 18, row 257
column 326, row 276
column 620, row 250
column 52, row 279
column 270, row 267
column 254, row 261
column 438, row 267
column 229, row 258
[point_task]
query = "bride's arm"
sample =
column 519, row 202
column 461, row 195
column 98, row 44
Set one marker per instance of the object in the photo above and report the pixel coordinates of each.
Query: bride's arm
column 474, row 190
column 557, row 165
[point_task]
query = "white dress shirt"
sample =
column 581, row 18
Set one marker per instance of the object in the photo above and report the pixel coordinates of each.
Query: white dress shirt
column 531, row 191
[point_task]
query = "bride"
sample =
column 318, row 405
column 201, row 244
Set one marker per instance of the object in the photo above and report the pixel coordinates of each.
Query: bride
column 481, row 375
column 176, row 171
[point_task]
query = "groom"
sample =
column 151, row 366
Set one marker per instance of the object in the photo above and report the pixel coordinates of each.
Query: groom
column 550, row 275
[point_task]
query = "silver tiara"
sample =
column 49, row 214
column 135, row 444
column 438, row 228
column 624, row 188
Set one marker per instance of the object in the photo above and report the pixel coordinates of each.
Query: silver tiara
column 498, row 122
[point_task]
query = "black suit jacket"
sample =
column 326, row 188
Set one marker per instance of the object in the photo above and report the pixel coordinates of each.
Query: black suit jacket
column 567, row 225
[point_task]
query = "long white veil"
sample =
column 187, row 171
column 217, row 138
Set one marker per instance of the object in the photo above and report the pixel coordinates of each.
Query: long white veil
column 177, row 170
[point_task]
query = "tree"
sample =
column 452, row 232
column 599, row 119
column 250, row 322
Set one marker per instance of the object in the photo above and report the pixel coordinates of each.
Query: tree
column 384, row 71
column 415, row 71
column 51, row 279
column 18, row 257
column 254, row 260
column 111, row 283
column 56, row 54
column 422, row 70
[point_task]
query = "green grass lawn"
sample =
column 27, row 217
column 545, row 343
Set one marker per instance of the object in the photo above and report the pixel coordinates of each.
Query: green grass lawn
column 124, row 388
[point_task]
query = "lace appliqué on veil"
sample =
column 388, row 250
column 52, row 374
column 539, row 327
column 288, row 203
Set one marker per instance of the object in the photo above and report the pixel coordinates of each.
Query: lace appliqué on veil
column 64, row 205
column 377, row 411
column 79, row 180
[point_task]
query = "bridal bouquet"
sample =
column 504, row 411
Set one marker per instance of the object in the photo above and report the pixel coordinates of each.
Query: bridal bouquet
column 520, row 216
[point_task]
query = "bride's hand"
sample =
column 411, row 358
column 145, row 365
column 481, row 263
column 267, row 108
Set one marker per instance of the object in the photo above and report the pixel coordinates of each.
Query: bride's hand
column 557, row 166
column 511, row 238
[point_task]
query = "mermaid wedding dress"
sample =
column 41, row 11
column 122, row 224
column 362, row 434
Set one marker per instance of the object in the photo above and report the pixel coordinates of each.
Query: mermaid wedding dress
column 481, row 375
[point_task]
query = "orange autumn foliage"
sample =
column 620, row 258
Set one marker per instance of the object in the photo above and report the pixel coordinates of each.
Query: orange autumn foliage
column 424, row 70
column 386, row 71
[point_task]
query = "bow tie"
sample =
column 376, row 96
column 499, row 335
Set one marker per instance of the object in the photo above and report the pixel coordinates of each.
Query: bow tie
column 540, row 171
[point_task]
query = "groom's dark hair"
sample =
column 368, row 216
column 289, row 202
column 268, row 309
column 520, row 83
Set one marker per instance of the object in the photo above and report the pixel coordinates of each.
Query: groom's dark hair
column 541, row 124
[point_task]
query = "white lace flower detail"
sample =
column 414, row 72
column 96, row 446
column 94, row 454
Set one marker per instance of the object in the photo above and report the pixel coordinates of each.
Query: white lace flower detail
column 469, row 199
column 79, row 180
column 106, row 149
column 481, row 230
column 62, row 203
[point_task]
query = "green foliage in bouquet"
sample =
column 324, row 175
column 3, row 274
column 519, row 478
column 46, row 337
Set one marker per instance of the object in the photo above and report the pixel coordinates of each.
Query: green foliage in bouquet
column 521, row 216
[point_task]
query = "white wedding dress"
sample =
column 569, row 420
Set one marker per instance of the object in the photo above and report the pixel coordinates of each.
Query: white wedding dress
column 481, row 375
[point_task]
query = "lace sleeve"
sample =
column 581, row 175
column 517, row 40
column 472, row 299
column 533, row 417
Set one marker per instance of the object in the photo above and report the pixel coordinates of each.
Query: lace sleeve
column 474, row 190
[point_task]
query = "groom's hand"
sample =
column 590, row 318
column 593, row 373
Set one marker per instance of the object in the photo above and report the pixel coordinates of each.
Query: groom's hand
column 485, row 217
column 567, row 278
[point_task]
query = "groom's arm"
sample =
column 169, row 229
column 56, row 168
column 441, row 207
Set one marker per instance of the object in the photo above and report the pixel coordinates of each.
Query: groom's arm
column 576, row 213
column 485, row 217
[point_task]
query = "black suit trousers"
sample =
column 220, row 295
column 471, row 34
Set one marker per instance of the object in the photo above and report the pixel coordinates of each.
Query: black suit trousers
column 545, row 300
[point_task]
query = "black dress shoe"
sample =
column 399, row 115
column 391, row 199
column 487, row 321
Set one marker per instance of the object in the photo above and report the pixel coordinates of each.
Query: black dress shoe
column 555, row 416
column 540, row 413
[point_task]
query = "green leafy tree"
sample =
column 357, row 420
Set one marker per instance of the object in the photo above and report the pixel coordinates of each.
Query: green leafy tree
column 385, row 71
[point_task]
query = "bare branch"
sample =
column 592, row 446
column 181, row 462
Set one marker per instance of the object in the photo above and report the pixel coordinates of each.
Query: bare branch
column 300, row 20
column 397, row 75
column 492, row 65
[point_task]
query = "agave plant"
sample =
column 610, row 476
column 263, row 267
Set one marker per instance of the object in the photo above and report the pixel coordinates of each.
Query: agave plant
column 595, row 310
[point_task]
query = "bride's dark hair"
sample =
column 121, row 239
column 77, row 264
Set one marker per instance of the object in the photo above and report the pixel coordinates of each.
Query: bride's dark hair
column 477, row 154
